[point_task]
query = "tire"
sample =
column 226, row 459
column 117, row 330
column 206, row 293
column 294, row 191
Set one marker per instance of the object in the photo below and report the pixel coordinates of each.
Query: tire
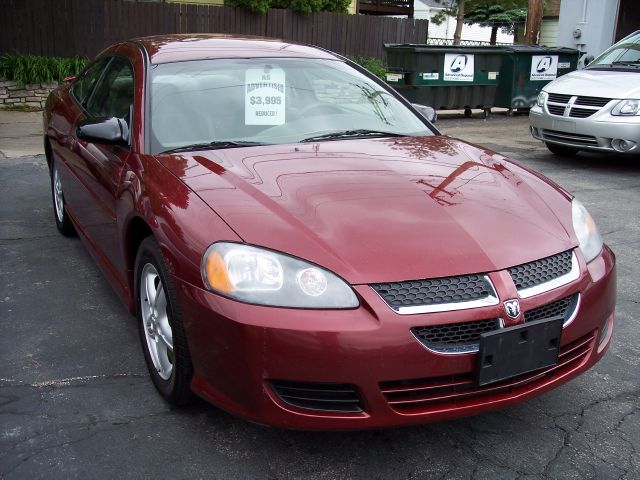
column 560, row 150
column 160, row 326
column 63, row 222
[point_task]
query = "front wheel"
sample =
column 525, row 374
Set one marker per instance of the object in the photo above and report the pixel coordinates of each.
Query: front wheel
column 160, row 327
column 560, row 150
column 63, row 222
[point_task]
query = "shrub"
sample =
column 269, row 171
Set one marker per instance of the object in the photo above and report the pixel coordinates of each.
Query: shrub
column 374, row 65
column 300, row 6
column 25, row 69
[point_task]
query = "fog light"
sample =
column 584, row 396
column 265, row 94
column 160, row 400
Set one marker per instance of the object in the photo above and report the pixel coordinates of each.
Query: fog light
column 621, row 145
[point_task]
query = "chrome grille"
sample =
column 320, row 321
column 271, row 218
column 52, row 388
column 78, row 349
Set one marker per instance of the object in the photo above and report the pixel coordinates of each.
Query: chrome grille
column 556, row 109
column 434, row 291
column 559, row 98
column 560, row 308
column 592, row 101
column 581, row 112
column 541, row 271
column 583, row 107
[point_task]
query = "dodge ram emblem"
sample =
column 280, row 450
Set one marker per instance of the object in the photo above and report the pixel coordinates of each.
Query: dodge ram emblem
column 512, row 307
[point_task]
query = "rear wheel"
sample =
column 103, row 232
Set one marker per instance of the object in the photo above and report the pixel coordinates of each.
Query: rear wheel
column 63, row 222
column 160, row 326
column 560, row 150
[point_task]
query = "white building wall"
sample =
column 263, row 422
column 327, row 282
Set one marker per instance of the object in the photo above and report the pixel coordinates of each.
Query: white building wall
column 448, row 28
column 596, row 19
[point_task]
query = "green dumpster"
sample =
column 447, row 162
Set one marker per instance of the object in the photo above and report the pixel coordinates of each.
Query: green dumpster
column 448, row 77
column 526, row 69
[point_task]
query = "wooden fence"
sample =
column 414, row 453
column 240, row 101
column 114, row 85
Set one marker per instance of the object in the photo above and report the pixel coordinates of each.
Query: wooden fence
column 85, row 27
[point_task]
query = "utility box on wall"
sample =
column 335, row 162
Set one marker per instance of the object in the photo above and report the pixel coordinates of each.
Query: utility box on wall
column 588, row 25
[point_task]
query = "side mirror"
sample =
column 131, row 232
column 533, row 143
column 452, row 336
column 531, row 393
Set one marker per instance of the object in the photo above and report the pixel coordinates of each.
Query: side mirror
column 427, row 112
column 69, row 79
column 104, row 130
column 588, row 59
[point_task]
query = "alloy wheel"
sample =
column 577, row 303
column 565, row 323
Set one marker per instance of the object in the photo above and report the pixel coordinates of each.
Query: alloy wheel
column 155, row 321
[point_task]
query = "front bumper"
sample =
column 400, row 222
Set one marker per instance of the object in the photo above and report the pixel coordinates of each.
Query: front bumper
column 596, row 133
column 238, row 349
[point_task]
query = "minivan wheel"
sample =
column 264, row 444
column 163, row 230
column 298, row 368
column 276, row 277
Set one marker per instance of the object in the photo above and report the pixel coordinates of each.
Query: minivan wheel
column 160, row 326
column 560, row 150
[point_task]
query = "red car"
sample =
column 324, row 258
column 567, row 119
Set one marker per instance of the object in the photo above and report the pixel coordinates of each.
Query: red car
column 303, row 249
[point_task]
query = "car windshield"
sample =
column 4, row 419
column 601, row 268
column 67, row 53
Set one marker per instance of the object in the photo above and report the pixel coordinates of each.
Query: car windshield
column 225, row 103
column 624, row 54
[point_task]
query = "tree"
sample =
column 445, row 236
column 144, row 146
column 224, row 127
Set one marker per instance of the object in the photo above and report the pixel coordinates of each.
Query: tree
column 534, row 21
column 504, row 14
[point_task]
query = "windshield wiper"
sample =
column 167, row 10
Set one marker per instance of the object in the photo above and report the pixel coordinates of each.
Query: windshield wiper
column 626, row 62
column 213, row 145
column 351, row 134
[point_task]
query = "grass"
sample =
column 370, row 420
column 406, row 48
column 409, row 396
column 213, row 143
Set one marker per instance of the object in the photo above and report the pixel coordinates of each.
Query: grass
column 26, row 69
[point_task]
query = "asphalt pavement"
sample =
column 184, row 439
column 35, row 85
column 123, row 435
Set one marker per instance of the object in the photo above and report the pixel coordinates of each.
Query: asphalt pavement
column 76, row 401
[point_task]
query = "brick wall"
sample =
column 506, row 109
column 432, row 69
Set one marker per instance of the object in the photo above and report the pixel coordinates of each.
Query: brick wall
column 32, row 95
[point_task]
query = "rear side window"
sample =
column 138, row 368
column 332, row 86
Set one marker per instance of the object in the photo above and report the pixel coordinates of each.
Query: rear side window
column 113, row 94
column 84, row 84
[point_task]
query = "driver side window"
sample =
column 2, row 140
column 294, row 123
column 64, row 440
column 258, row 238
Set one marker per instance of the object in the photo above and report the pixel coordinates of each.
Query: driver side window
column 83, row 86
column 113, row 95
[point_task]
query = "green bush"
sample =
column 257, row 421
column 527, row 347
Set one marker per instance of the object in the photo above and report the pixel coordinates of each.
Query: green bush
column 300, row 6
column 374, row 65
column 26, row 69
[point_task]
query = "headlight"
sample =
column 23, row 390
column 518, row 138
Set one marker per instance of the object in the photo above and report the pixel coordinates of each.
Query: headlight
column 542, row 97
column 264, row 277
column 586, row 231
column 626, row 108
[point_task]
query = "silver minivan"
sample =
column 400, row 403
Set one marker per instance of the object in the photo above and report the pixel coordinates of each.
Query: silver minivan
column 596, row 108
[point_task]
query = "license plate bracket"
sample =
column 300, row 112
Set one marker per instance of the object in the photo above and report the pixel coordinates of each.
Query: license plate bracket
column 517, row 350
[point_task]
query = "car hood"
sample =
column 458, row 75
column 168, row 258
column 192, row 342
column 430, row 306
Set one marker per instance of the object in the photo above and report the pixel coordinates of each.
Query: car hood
column 376, row 210
column 597, row 83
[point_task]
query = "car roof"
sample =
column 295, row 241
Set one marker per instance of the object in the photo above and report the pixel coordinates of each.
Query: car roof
column 181, row 47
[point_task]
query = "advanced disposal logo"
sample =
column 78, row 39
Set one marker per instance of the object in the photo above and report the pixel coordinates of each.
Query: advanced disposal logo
column 544, row 67
column 458, row 67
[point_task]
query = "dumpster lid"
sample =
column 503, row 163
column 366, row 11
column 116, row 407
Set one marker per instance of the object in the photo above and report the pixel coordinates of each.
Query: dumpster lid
column 424, row 48
column 539, row 49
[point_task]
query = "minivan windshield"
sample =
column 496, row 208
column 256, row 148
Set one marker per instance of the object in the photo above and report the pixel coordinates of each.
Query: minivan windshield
column 623, row 55
column 224, row 103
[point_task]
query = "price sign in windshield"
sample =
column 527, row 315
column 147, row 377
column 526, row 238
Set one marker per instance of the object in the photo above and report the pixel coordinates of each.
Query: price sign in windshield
column 264, row 96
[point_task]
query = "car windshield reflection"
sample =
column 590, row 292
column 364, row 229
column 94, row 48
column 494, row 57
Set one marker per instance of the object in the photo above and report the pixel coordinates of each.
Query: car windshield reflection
column 242, row 102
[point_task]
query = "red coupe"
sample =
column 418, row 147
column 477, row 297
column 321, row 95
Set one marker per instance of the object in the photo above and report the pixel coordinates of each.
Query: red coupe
column 302, row 248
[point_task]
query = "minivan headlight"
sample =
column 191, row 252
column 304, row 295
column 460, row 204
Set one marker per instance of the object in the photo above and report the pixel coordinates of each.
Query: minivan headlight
column 586, row 231
column 542, row 98
column 264, row 277
column 626, row 108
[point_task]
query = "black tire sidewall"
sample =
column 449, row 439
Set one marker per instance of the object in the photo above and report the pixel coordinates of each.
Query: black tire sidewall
column 65, row 227
column 149, row 253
